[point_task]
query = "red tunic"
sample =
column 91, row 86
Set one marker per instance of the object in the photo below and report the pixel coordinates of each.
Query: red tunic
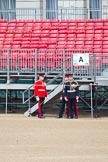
column 40, row 89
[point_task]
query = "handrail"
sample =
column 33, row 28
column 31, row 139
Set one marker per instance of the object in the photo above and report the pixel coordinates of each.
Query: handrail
column 28, row 89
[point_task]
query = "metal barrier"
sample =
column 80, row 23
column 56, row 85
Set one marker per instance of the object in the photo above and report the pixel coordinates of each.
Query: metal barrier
column 61, row 13
column 32, row 61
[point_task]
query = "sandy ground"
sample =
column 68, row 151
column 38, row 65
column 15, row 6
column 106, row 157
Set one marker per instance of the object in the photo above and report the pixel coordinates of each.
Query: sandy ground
column 29, row 139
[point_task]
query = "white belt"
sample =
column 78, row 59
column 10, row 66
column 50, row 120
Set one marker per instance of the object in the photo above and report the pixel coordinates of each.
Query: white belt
column 71, row 90
column 41, row 90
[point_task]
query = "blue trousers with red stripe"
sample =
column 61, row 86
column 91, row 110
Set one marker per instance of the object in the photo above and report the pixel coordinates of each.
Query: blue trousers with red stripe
column 71, row 107
column 40, row 107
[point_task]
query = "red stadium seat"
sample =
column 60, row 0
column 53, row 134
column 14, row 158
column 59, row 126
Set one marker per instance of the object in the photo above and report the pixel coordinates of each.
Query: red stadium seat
column 89, row 35
column 16, row 42
column 17, row 38
column 53, row 35
column 52, row 46
column 3, row 20
column 105, row 38
column 34, row 46
column 3, row 28
column 3, row 64
column 53, row 32
column 61, row 42
column 7, row 46
column 105, row 50
column 72, row 31
column 97, row 42
column 35, row 35
column 79, row 42
column 44, row 35
column 88, row 31
column 10, row 29
column 14, row 55
column 69, row 42
column 12, row 24
column 98, row 46
column 7, row 42
column 88, row 46
column 72, row 28
column 105, row 46
column 79, row 46
column 17, row 46
column 1, row 45
column 96, row 50
column 19, row 31
column 62, row 35
column 45, row 32
column 25, row 46
column 20, row 24
column 35, row 39
column 61, row 38
column 70, row 46
column 8, row 39
column 63, row 31
column 26, row 38
column 43, row 46
column 105, row 42
column 25, row 42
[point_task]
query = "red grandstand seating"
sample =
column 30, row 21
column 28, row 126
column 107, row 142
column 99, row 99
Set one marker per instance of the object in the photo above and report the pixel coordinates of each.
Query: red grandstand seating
column 54, row 34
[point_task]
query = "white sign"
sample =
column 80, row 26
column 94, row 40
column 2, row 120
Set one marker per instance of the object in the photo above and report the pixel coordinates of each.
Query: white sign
column 81, row 59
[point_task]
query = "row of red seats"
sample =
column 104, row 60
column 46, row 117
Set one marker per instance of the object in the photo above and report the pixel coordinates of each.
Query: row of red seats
column 55, row 21
column 53, row 35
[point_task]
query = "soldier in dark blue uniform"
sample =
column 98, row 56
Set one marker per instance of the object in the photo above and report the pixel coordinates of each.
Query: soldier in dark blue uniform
column 64, row 103
column 71, row 95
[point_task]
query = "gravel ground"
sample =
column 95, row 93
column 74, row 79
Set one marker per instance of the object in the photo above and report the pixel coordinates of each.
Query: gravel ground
column 29, row 139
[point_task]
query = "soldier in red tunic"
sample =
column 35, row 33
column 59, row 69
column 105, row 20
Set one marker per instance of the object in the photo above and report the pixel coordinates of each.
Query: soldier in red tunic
column 40, row 93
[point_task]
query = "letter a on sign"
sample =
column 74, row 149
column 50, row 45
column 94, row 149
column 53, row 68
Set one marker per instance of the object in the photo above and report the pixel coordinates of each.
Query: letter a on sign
column 81, row 59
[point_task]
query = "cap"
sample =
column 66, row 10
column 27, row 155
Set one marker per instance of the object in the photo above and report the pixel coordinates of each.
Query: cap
column 68, row 75
column 42, row 74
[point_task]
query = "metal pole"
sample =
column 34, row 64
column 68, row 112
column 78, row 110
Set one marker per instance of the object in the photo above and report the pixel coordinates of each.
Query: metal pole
column 91, row 101
column 88, row 9
column 61, row 13
column 96, row 110
column 29, row 102
column 6, row 100
column 72, row 64
column 8, row 75
column 94, row 68
column 36, row 53
column 64, row 70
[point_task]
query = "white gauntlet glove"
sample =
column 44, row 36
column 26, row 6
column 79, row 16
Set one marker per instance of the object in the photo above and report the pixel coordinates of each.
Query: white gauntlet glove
column 61, row 98
column 37, row 98
column 66, row 99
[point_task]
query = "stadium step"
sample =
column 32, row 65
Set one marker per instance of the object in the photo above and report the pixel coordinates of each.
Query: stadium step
column 50, row 96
